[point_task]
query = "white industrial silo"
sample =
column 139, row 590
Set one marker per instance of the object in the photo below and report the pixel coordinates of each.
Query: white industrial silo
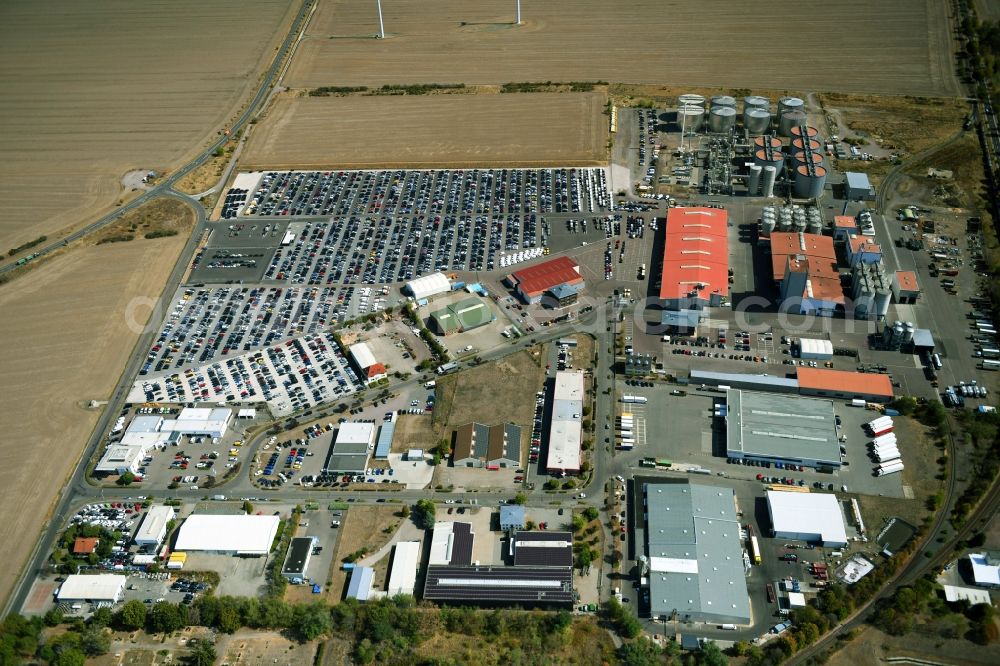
column 753, row 185
column 691, row 99
column 723, row 100
column 756, row 121
column 722, row 119
column 790, row 104
column 690, row 118
column 767, row 187
column 809, row 181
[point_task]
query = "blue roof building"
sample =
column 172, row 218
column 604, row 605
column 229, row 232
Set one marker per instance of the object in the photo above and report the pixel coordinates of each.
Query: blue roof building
column 511, row 517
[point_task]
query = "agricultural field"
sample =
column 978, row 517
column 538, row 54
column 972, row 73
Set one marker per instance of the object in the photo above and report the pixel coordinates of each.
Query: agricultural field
column 431, row 130
column 93, row 90
column 65, row 343
column 891, row 47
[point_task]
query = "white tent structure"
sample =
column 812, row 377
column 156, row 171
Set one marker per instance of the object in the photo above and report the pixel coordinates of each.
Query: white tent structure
column 428, row 285
column 107, row 588
column 240, row 535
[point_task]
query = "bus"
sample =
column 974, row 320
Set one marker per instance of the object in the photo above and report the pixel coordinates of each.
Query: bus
column 755, row 550
column 663, row 462
column 638, row 399
column 648, row 462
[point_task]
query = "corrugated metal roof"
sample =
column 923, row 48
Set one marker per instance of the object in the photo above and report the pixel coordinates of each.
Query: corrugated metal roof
column 841, row 381
column 695, row 253
column 384, row 444
column 535, row 280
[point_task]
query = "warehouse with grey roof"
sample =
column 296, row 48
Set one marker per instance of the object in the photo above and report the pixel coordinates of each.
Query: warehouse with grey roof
column 695, row 559
column 782, row 428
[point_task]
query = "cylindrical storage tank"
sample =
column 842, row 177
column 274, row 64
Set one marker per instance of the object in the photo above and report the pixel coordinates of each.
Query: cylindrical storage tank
column 908, row 332
column 756, row 102
column 788, row 120
column 882, row 302
column 723, row 100
column 722, row 119
column 690, row 117
column 807, row 158
column 809, row 182
column 802, row 131
column 815, row 227
column 691, row 99
column 762, row 141
column 774, row 158
column 887, row 334
column 756, row 121
column 753, row 184
column 898, row 332
column 790, row 104
column 767, row 186
column 803, row 144
column 767, row 225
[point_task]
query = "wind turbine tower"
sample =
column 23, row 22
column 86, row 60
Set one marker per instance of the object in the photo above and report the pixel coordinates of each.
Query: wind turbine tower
column 381, row 26
column 518, row 14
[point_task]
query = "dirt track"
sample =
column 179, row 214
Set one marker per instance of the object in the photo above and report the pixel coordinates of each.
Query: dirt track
column 431, row 130
column 95, row 89
column 888, row 47
column 65, row 343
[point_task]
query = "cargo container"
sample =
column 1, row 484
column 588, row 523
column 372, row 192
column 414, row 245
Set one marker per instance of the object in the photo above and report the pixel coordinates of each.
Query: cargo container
column 755, row 550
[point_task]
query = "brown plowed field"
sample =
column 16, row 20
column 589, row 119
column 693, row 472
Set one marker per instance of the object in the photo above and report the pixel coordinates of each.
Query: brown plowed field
column 886, row 47
column 94, row 89
column 430, row 130
column 65, row 342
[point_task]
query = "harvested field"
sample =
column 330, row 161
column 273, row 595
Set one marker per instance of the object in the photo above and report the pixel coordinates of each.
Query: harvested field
column 893, row 47
column 872, row 646
column 93, row 90
column 897, row 123
column 65, row 343
column 363, row 527
column 431, row 130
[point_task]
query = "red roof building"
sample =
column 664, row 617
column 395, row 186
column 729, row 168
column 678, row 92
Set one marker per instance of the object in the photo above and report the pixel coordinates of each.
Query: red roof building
column 844, row 227
column 530, row 283
column 375, row 372
column 905, row 288
column 85, row 545
column 695, row 258
column 844, row 384
column 805, row 268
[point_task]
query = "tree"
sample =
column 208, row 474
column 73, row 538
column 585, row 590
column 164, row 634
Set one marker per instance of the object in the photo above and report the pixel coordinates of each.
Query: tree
column 590, row 513
column 95, row 641
column 126, row 479
column 165, row 617
column 424, row 513
column 578, row 522
column 247, row 507
column 202, row 654
column 521, row 499
column 311, row 621
column 552, row 484
column 404, row 511
column 641, row 652
column 711, row 655
column 70, row 657
column 132, row 616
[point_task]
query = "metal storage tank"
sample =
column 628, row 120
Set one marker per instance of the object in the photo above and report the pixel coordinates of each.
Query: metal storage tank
column 690, row 117
column 815, row 227
column 803, row 157
column 767, row 188
column 766, row 157
column 762, row 141
column 908, row 331
column 809, row 181
column 691, row 99
column 806, row 144
column 756, row 102
column 723, row 100
column 882, row 298
column 753, row 184
column 802, row 131
column 788, row 120
column 756, row 121
column 790, row 104
column 722, row 119
column 767, row 225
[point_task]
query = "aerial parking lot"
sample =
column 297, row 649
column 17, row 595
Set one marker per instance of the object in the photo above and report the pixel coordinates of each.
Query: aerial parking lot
column 296, row 374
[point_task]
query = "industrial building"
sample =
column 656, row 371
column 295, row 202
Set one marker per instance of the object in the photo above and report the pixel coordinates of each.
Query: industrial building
column 239, row 534
column 695, row 272
column 531, row 283
column 871, row 289
column 368, row 367
column 564, row 295
column 905, row 288
column 857, row 187
column 511, row 517
column 297, row 561
column 427, row 286
column 200, row 421
column 565, row 428
column 982, row 570
column 492, row 447
column 824, row 382
column 695, row 559
column 350, row 446
column 781, row 428
column 465, row 315
column 815, row 349
column 360, row 585
column 95, row 589
column 804, row 266
column 862, row 250
column 812, row 517
column 544, row 548
column 451, row 544
column 154, row 526
column 119, row 459
column 638, row 365
column 403, row 575
column 383, row 445
column 490, row 585
column 844, row 227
